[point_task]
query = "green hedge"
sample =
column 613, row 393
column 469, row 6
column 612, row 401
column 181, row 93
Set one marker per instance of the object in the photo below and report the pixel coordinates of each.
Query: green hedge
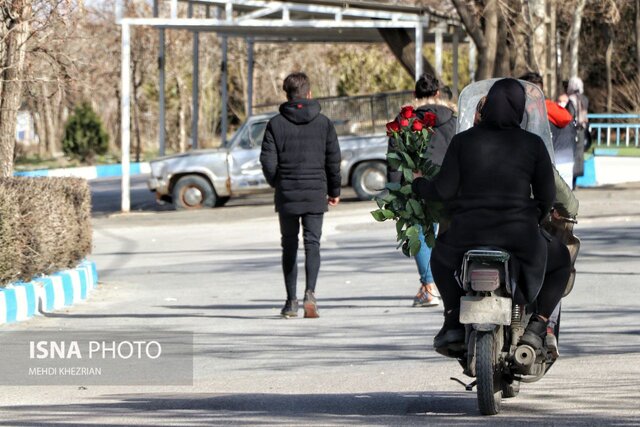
column 45, row 226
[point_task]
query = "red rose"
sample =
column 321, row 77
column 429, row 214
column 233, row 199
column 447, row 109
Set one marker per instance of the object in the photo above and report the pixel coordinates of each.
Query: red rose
column 407, row 112
column 393, row 126
column 429, row 119
column 404, row 123
column 416, row 126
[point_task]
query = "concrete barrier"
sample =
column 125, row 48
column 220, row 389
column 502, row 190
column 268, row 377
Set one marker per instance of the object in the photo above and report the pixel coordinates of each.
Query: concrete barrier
column 22, row 301
column 606, row 170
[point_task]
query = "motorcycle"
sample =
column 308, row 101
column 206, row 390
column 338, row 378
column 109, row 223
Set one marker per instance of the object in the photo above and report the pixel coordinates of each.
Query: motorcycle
column 494, row 321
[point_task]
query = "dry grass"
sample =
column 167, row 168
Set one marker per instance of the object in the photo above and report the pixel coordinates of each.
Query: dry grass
column 44, row 224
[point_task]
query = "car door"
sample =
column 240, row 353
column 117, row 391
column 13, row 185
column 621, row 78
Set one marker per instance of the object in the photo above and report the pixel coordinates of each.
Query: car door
column 245, row 170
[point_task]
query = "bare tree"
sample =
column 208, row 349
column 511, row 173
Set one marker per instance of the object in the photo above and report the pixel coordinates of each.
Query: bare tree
column 572, row 43
column 485, row 37
column 15, row 17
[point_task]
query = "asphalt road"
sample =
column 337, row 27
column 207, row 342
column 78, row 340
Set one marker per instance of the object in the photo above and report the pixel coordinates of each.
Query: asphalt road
column 366, row 361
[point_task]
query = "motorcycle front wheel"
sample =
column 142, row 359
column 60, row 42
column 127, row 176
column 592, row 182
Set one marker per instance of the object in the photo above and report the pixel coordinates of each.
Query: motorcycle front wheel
column 488, row 377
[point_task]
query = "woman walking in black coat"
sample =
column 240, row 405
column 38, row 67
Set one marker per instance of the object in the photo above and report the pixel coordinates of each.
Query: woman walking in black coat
column 497, row 182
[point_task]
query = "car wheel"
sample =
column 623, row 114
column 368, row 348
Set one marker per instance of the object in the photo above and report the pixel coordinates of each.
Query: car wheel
column 193, row 192
column 369, row 179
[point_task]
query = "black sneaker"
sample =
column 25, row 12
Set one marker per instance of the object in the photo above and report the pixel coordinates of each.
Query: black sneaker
column 290, row 308
column 310, row 306
column 450, row 339
column 534, row 334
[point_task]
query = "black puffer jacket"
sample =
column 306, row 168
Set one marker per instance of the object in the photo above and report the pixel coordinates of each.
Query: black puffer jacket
column 443, row 131
column 301, row 158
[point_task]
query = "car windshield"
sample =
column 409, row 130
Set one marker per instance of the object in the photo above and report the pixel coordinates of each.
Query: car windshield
column 229, row 142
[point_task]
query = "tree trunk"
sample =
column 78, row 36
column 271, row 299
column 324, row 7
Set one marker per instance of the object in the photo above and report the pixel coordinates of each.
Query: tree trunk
column 17, row 32
column 487, row 51
column 608, row 56
column 574, row 38
column 551, row 80
column 49, row 121
column 538, row 40
column 502, row 67
column 404, row 49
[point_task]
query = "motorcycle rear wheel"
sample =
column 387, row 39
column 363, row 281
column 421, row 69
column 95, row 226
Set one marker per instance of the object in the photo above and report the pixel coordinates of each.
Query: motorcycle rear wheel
column 489, row 380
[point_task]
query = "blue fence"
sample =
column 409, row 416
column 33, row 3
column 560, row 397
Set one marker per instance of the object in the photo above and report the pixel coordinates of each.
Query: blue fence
column 615, row 130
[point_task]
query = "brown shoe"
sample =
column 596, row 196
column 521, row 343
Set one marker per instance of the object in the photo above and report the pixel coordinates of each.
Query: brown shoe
column 310, row 306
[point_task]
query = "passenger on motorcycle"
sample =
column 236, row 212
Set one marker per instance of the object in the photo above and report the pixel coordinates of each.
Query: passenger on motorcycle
column 497, row 183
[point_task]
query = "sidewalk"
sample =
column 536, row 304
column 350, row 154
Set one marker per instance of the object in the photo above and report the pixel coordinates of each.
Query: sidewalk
column 615, row 201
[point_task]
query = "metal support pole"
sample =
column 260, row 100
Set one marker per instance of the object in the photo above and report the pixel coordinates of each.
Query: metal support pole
column 126, row 116
column 419, row 57
column 249, row 76
column 438, row 53
column 162, row 135
column 195, row 84
column 161, row 85
column 472, row 60
column 456, row 47
column 119, row 11
column 174, row 9
column 223, row 91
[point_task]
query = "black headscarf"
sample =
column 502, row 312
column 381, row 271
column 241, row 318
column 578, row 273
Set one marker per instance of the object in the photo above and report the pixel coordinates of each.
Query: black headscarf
column 505, row 104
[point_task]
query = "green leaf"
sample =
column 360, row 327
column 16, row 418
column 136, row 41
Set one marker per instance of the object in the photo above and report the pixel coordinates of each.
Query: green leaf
column 406, row 189
column 378, row 215
column 399, row 224
column 394, row 163
column 430, row 238
column 414, row 246
column 412, row 232
column 393, row 155
column 408, row 174
column 404, row 214
column 410, row 163
column 380, row 202
column 393, row 186
column 416, row 208
column 388, row 214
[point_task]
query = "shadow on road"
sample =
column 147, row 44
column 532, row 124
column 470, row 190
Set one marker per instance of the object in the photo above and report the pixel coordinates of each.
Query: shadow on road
column 380, row 409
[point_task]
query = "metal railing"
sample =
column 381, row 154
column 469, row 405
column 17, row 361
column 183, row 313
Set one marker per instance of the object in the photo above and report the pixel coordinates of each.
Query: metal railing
column 625, row 126
column 357, row 115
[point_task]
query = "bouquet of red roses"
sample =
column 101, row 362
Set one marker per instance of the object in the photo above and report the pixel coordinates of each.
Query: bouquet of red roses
column 411, row 136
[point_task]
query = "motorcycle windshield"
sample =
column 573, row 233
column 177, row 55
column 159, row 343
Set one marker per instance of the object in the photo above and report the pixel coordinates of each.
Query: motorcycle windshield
column 535, row 115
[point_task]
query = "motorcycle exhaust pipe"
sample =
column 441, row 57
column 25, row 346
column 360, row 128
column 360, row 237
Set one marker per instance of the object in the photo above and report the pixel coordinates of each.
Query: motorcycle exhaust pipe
column 525, row 356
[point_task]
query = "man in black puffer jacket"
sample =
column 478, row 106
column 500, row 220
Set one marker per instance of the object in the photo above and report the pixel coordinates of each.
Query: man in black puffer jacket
column 301, row 159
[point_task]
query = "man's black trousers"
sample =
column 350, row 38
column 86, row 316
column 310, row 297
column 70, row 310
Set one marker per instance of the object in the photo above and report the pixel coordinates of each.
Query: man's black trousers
column 311, row 233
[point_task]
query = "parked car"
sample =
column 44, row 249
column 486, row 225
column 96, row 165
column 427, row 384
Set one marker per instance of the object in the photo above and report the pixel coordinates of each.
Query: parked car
column 210, row 177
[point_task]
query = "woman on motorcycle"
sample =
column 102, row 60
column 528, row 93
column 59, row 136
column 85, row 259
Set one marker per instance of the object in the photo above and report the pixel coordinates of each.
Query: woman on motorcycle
column 497, row 182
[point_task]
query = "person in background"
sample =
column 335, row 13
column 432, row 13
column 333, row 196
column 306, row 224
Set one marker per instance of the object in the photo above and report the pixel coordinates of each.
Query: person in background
column 427, row 93
column 562, row 129
column 300, row 158
column 580, row 102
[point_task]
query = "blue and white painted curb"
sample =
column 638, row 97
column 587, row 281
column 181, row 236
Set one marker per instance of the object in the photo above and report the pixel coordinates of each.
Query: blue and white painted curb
column 22, row 301
column 603, row 169
column 90, row 172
